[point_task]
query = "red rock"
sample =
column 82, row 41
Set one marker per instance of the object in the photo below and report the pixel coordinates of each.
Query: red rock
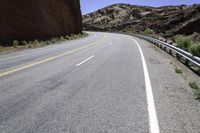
column 38, row 19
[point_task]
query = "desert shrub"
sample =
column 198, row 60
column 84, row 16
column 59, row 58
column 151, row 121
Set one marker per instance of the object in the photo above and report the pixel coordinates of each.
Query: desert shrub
column 76, row 36
column 196, row 89
column 35, row 42
column 54, row 39
column 183, row 42
column 149, row 31
column 84, row 34
column 24, row 43
column 194, row 49
column 178, row 70
column 197, row 93
column 79, row 35
column 193, row 85
column 67, row 37
column 15, row 43
column 62, row 38
column 71, row 36
column 48, row 42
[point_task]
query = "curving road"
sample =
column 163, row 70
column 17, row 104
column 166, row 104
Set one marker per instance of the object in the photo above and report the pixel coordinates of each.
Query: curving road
column 105, row 83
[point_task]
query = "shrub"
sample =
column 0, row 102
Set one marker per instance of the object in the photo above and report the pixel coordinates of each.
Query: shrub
column 15, row 43
column 62, row 38
column 178, row 70
column 195, row 49
column 36, row 42
column 193, row 85
column 149, row 31
column 183, row 42
column 197, row 94
column 196, row 89
column 48, row 42
column 67, row 37
column 24, row 43
column 84, row 34
column 54, row 39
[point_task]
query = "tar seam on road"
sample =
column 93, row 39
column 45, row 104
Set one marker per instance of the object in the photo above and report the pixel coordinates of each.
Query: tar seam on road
column 48, row 59
column 85, row 60
column 153, row 120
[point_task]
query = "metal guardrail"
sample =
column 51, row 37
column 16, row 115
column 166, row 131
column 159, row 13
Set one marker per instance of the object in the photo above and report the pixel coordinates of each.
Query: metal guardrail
column 188, row 57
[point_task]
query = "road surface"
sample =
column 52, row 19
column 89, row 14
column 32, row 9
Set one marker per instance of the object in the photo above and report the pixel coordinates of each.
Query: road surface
column 105, row 83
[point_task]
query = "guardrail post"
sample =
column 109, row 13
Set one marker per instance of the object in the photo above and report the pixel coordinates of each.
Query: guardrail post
column 177, row 56
column 156, row 44
column 175, row 52
column 170, row 51
column 198, row 72
column 187, row 62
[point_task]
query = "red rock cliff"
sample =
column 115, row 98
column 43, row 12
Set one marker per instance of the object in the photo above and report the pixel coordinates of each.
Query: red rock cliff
column 38, row 19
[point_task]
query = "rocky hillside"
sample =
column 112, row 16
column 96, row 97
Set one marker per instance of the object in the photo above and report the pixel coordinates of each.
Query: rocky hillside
column 166, row 21
column 38, row 19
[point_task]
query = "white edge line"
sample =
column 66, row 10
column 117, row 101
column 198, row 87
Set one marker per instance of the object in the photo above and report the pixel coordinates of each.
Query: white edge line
column 85, row 60
column 153, row 120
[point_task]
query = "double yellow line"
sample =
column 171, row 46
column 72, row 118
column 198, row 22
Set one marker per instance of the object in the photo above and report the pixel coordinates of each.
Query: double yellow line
column 48, row 59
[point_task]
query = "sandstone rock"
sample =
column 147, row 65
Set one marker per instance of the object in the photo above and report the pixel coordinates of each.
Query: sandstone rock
column 38, row 19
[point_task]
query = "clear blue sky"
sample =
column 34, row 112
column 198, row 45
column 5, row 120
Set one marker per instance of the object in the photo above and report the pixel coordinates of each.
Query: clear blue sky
column 93, row 5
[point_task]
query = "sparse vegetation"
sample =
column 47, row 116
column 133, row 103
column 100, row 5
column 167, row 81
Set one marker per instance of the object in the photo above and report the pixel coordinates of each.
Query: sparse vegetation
column 149, row 31
column 178, row 70
column 196, row 89
column 15, row 43
column 24, row 43
column 193, row 85
column 38, row 43
column 194, row 49
column 183, row 42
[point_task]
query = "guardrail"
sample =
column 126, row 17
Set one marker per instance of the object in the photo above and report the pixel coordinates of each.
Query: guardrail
column 187, row 58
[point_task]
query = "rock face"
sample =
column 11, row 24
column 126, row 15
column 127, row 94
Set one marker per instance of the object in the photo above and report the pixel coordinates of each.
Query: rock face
column 167, row 21
column 38, row 19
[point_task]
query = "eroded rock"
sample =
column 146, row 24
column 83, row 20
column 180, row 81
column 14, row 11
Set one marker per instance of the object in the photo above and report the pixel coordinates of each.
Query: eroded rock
column 38, row 19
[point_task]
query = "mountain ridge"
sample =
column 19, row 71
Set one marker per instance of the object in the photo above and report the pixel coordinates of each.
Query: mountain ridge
column 168, row 21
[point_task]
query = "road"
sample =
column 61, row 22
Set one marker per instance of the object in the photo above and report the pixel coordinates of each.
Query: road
column 103, row 83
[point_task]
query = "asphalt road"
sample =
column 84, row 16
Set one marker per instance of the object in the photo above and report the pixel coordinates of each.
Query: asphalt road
column 105, row 83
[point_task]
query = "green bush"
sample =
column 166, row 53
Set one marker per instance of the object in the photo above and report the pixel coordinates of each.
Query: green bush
column 149, row 31
column 178, row 70
column 15, row 43
column 35, row 42
column 54, row 39
column 67, row 37
column 197, row 93
column 24, row 43
column 48, row 42
column 183, row 42
column 195, row 49
column 196, row 89
column 193, row 85
column 62, row 38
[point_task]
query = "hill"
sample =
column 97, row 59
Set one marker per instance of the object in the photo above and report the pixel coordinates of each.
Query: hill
column 167, row 21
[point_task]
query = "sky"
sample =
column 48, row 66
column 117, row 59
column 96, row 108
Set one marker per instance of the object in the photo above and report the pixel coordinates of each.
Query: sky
column 88, row 6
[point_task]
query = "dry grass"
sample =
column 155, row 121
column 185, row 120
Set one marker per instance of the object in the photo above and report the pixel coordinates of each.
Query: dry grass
column 39, row 43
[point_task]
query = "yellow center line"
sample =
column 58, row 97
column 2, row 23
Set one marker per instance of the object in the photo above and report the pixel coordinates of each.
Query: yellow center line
column 48, row 59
